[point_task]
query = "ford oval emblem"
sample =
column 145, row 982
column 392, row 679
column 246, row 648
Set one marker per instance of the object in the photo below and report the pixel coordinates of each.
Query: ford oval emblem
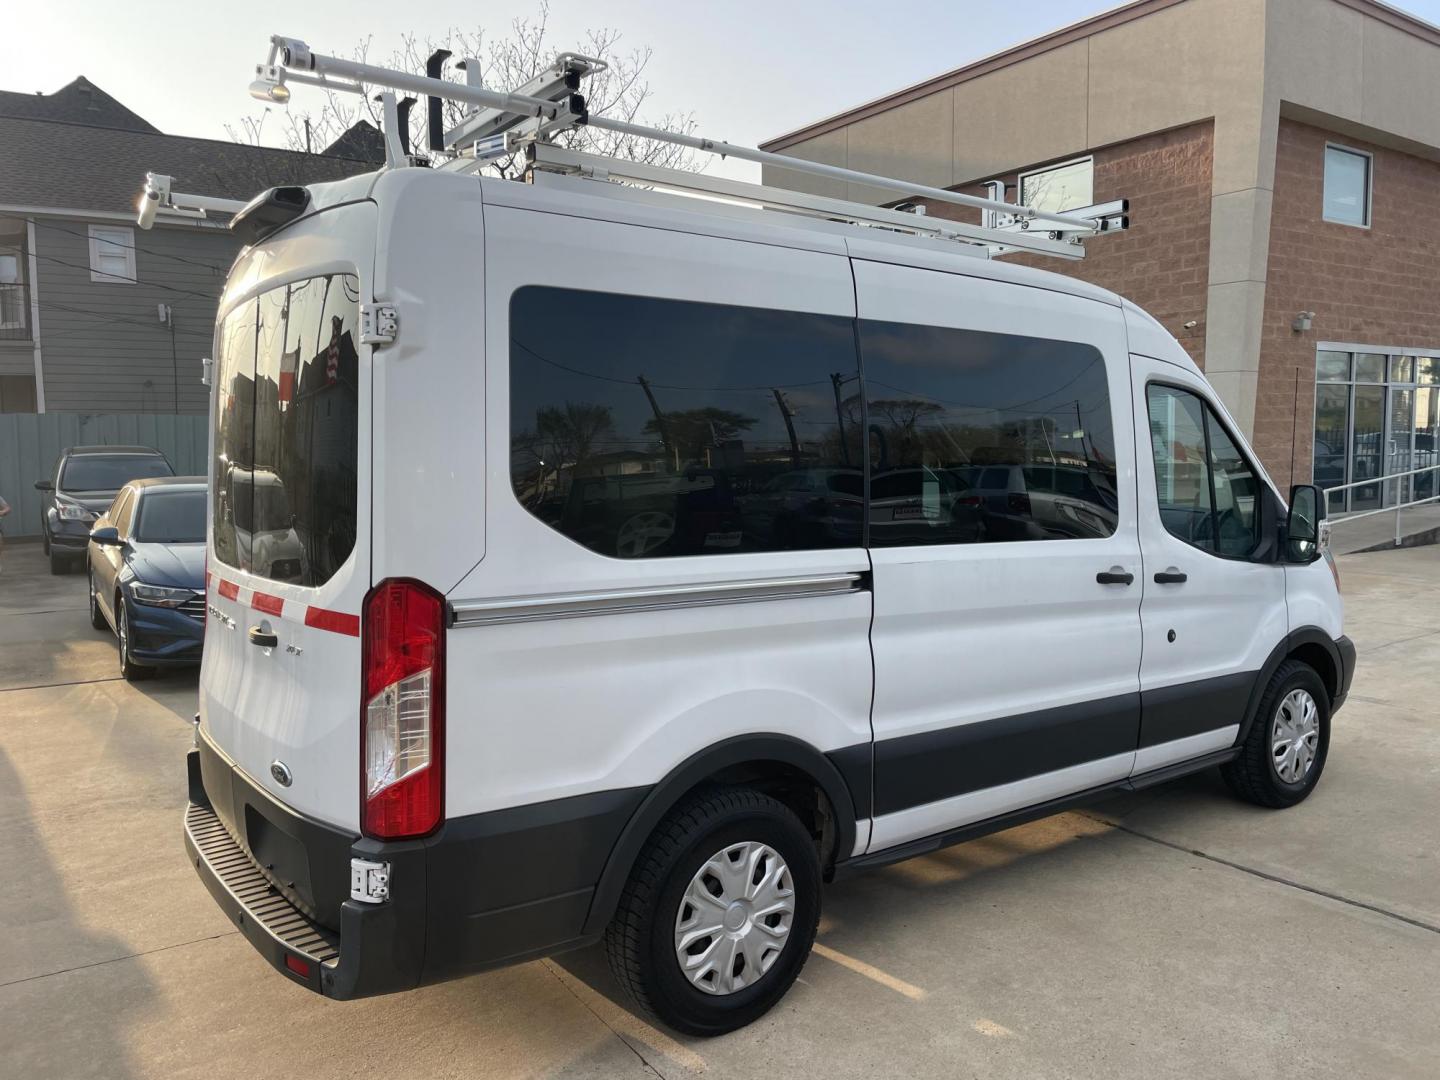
column 281, row 772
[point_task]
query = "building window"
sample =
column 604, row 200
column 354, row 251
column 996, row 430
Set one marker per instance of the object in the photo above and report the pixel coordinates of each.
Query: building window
column 1377, row 417
column 112, row 254
column 12, row 279
column 1347, row 186
column 1057, row 188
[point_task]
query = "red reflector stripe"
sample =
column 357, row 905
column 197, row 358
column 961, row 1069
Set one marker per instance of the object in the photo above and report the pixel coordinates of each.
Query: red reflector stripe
column 271, row 605
column 295, row 964
column 229, row 589
column 337, row 622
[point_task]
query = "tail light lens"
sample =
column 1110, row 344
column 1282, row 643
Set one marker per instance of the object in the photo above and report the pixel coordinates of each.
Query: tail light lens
column 403, row 724
column 1018, row 502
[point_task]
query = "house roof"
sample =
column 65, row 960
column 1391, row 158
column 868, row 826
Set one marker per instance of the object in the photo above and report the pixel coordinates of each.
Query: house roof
column 77, row 102
column 71, row 166
column 362, row 141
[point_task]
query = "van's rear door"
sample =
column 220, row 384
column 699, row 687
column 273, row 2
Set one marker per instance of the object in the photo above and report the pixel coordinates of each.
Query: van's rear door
column 289, row 550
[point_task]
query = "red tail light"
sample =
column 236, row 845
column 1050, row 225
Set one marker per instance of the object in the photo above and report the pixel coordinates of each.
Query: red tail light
column 402, row 721
column 1018, row 502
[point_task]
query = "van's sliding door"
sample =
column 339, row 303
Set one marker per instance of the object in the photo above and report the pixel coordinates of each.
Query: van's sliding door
column 1005, row 549
column 673, row 515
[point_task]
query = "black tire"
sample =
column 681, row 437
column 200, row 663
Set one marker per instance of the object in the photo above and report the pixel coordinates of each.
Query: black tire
column 129, row 670
column 640, row 940
column 59, row 564
column 97, row 617
column 45, row 543
column 1254, row 776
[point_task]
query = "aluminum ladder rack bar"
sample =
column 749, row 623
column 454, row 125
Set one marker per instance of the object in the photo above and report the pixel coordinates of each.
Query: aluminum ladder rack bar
column 290, row 54
column 548, row 157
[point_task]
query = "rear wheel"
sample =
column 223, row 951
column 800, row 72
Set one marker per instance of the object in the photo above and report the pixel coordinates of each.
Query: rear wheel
column 1283, row 755
column 97, row 617
column 719, row 914
column 130, row 670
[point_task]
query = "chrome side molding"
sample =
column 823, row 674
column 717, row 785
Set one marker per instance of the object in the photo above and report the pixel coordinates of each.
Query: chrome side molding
column 511, row 609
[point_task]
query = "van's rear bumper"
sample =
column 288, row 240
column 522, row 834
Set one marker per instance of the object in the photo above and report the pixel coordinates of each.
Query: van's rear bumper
column 376, row 949
column 487, row 890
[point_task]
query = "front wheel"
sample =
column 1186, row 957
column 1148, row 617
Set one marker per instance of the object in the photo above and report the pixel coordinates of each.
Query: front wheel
column 97, row 617
column 719, row 914
column 129, row 670
column 1284, row 753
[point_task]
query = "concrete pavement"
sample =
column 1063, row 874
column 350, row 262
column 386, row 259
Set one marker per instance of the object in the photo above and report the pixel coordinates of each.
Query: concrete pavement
column 1174, row 932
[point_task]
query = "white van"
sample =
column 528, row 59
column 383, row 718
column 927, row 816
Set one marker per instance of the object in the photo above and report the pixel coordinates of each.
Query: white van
column 592, row 634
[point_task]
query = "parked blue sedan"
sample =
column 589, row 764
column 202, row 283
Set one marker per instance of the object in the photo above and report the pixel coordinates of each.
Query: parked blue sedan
column 146, row 562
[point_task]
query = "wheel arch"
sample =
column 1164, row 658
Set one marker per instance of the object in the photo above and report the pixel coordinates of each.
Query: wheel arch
column 774, row 758
column 1310, row 645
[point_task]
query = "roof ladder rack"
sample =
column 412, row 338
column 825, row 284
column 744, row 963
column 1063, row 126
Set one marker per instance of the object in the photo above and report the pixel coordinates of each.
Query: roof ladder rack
column 528, row 118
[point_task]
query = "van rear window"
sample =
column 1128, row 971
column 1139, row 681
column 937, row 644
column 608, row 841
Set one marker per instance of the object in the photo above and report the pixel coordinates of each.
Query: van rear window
column 286, row 424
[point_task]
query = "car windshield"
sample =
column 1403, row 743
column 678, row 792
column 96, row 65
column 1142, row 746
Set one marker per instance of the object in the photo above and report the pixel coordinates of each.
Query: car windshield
column 171, row 517
column 107, row 472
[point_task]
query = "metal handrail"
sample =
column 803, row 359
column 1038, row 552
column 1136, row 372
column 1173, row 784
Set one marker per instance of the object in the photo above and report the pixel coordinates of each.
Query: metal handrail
column 1384, row 509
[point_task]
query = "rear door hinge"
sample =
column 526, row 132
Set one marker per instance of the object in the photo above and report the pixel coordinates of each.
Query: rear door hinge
column 379, row 323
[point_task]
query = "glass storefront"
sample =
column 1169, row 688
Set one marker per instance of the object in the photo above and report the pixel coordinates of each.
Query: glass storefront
column 1377, row 415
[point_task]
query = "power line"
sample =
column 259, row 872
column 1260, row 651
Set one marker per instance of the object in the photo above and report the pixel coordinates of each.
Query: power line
column 211, row 297
column 49, row 224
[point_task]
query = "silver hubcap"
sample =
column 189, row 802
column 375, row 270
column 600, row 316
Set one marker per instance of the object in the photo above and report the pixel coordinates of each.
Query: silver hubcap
column 122, row 632
column 1295, row 736
column 643, row 533
column 734, row 918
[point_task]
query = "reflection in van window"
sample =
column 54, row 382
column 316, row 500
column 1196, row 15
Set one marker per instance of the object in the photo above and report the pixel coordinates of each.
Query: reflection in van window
column 286, row 431
column 978, row 437
column 1207, row 490
column 684, row 428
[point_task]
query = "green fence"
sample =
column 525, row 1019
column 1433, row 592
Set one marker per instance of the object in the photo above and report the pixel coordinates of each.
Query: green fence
column 30, row 444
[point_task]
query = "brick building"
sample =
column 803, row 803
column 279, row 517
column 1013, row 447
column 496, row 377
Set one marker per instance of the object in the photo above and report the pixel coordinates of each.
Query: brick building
column 1281, row 157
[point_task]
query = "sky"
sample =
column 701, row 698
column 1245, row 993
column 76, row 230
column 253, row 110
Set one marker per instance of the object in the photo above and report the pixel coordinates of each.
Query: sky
column 746, row 70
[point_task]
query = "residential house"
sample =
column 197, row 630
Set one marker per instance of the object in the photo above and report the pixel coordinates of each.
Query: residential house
column 97, row 315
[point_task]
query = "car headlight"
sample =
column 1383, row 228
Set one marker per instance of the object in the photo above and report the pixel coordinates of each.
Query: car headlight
column 160, row 595
column 75, row 512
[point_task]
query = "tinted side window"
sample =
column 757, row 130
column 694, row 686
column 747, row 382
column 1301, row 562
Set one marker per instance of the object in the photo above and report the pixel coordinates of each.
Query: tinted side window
column 979, row 437
column 1208, row 492
column 120, row 511
column 234, row 424
column 680, row 428
column 287, row 431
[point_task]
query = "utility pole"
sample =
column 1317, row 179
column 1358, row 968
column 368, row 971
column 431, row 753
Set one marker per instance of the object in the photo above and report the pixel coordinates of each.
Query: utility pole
column 167, row 318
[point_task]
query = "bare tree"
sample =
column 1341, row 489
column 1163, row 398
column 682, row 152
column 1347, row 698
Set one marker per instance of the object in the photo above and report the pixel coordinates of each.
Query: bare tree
column 619, row 92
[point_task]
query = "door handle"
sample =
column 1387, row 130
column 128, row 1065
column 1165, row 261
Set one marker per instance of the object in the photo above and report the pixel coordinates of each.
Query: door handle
column 261, row 638
column 1171, row 577
column 1114, row 576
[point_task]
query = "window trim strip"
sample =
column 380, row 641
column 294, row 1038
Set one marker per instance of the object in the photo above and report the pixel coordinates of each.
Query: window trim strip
column 517, row 609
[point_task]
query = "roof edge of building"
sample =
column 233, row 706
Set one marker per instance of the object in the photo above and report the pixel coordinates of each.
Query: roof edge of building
column 1056, row 39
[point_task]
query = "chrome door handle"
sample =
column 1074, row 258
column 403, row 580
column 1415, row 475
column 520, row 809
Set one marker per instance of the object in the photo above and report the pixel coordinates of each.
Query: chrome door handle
column 261, row 638
column 1114, row 576
column 1171, row 576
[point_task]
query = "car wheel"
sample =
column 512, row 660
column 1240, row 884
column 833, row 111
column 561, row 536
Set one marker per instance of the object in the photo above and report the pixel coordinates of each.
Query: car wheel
column 97, row 617
column 719, row 913
column 129, row 670
column 1284, row 753
column 59, row 564
column 644, row 533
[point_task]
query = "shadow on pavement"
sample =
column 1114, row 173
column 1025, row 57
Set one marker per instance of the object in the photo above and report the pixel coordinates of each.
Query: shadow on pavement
column 55, row 1024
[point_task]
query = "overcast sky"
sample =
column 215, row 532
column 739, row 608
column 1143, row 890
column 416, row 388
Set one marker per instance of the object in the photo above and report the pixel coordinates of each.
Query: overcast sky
column 748, row 70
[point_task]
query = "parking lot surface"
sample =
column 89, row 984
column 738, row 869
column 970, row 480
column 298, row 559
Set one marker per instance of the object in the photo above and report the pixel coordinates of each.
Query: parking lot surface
column 1171, row 933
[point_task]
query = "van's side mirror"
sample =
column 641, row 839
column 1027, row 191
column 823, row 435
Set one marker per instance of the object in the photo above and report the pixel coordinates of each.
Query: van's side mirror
column 106, row 536
column 44, row 485
column 1302, row 526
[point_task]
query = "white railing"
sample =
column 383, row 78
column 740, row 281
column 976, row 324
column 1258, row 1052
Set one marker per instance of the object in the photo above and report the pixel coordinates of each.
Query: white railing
column 1381, row 481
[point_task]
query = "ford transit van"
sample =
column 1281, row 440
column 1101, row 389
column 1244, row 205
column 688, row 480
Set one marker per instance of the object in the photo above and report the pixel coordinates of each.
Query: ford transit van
column 627, row 567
